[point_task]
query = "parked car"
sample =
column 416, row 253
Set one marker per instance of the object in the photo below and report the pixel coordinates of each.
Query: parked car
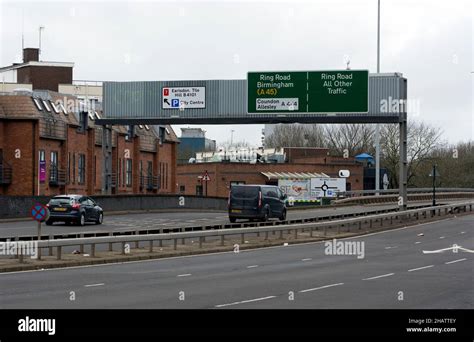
column 76, row 209
column 256, row 202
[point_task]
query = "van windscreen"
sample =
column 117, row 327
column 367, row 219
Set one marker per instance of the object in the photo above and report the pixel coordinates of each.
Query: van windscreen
column 245, row 191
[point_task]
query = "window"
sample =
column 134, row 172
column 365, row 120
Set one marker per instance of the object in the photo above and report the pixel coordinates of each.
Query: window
column 82, row 122
column 38, row 104
column 53, row 170
column 236, row 183
column 46, row 106
column 182, row 189
column 128, row 175
column 199, row 190
column 130, row 133
column 119, row 168
column 161, row 134
column 42, row 165
column 81, row 170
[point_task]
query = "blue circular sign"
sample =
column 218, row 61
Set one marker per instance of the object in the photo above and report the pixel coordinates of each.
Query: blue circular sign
column 39, row 212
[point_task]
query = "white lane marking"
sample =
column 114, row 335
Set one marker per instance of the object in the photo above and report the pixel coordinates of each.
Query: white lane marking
column 441, row 237
column 380, row 276
column 245, row 301
column 452, row 262
column 93, row 285
column 184, row 275
column 420, row 268
column 321, row 287
column 307, row 259
column 463, row 232
column 252, row 266
column 391, row 247
column 416, row 243
column 456, row 247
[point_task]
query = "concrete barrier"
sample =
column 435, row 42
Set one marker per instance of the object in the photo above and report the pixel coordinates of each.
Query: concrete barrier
column 19, row 206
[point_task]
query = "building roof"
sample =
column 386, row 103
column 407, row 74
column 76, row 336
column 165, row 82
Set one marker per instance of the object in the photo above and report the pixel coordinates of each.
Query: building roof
column 294, row 175
column 35, row 63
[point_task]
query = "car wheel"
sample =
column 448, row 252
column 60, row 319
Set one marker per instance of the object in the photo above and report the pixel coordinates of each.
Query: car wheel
column 100, row 219
column 232, row 219
column 49, row 223
column 82, row 220
column 283, row 215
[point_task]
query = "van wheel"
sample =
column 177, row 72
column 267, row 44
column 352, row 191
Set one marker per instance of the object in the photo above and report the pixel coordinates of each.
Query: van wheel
column 232, row 219
column 283, row 215
column 266, row 216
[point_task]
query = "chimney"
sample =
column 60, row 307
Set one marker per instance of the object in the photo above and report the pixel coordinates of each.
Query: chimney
column 30, row 55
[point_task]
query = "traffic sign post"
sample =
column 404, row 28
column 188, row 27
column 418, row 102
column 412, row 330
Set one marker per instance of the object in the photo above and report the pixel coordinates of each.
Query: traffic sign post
column 39, row 213
column 206, row 179
column 343, row 91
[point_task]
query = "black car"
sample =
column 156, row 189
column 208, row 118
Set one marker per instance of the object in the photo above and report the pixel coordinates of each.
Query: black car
column 256, row 202
column 76, row 209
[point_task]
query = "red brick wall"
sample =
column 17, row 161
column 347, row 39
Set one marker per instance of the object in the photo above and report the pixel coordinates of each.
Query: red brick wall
column 20, row 135
column 44, row 77
column 222, row 174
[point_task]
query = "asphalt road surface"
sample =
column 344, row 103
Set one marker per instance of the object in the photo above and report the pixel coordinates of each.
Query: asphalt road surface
column 393, row 273
column 160, row 220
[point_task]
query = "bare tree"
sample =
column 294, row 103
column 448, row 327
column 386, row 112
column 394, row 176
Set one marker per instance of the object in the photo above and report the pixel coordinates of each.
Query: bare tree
column 227, row 145
column 423, row 140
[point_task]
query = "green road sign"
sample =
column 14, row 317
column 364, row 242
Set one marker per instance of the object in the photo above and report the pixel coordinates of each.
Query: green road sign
column 338, row 91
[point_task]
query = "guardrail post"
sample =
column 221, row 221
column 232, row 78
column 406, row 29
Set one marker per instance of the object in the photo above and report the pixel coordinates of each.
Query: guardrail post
column 381, row 222
column 200, row 242
column 81, row 249
column 58, row 252
column 370, row 223
column 360, row 225
column 296, row 233
column 175, row 244
column 222, row 240
column 325, row 230
column 242, row 238
column 311, row 232
column 110, row 243
column 150, row 246
column 50, row 248
column 92, row 249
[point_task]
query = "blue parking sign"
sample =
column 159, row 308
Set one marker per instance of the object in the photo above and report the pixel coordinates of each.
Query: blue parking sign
column 175, row 103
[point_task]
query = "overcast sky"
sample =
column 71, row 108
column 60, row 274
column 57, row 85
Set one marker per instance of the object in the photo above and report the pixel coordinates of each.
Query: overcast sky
column 430, row 42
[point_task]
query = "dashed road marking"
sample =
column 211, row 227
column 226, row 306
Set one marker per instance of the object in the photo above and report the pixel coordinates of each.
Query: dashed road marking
column 93, row 285
column 441, row 237
column 420, row 268
column 380, row 276
column 252, row 266
column 416, row 243
column 321, row 287
column 245, row 301
column 307, row 259
column 452, row 262
column 184, row 275
column 391, row 247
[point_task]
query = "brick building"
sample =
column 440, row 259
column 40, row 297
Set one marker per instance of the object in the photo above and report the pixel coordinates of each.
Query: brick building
column 41, row 75
column 297, row 160
column 46, row 148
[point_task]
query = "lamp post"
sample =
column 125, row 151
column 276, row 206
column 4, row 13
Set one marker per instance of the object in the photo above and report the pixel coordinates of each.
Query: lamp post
column 434, row 173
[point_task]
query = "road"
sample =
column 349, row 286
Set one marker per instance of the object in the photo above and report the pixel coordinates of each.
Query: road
column 162, row 220
column 394, row 273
